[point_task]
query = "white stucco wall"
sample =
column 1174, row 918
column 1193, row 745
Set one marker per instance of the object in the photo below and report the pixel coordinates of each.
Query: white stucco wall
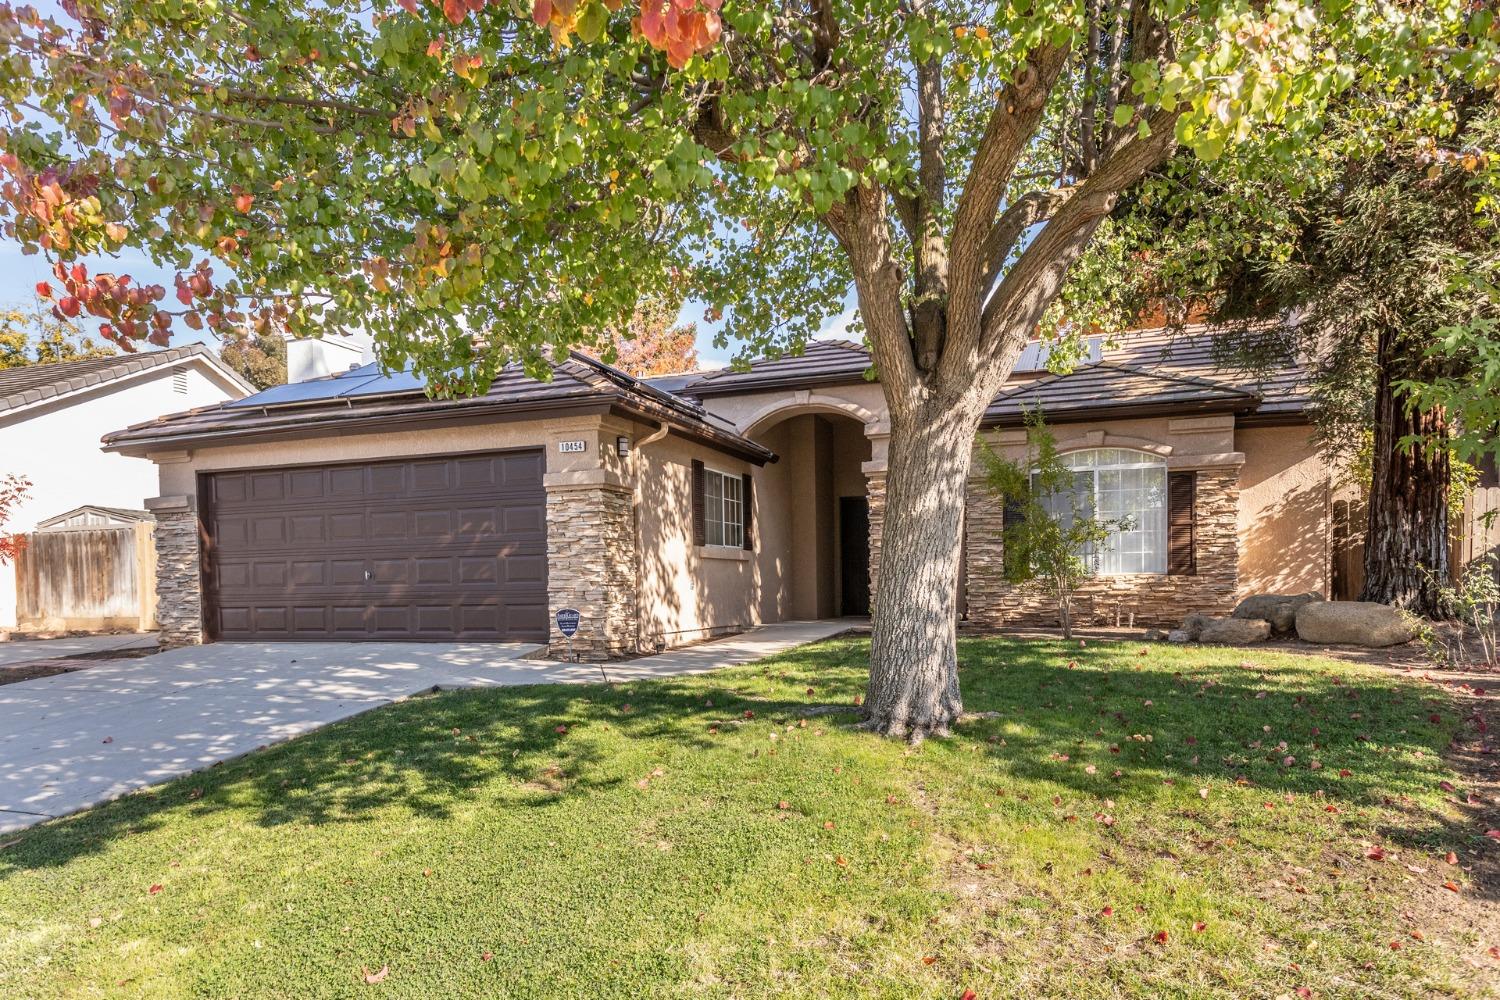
column 56, row 446
column 332, row 355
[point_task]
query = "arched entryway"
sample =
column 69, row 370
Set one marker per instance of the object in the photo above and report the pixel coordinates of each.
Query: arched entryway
column 814, row 512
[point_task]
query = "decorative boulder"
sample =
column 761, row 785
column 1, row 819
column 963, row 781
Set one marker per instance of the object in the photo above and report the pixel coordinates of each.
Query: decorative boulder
column 1278, row 609
column 1236, row 631
column 1353, row 623
column 1177, row 635
column 1194, row 624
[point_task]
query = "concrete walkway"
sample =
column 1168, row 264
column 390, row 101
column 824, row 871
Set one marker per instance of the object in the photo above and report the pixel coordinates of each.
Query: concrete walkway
column 75, row 740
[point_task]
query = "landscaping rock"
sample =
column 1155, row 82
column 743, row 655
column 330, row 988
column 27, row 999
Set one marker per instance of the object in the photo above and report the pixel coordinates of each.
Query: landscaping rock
column 1177, row 635
column 1353, row 623
column 1194, row 624
column 1236, row 631
column 1278, row 609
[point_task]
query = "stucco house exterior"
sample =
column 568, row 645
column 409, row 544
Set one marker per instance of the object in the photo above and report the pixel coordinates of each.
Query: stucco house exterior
column 673, row 509
column 51, row 417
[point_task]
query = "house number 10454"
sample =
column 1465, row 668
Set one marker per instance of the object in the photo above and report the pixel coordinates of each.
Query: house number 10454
column 572, row 446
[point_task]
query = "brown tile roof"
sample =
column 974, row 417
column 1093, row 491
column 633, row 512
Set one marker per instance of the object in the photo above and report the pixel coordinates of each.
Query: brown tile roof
column 822, row 362
column 1177, row 360
column 1107, row 388
column 364, row 397
column 34, row 383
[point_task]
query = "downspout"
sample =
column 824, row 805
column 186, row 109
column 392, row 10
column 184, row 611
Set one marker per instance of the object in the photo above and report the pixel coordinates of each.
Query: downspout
column 635, row 513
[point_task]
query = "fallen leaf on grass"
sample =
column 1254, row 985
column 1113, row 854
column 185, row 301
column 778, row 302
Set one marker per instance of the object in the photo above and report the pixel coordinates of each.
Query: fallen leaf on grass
column 1451, row 886
column 154, row 889
column 1199, row 927
column 1108, row 911
column 1160, row 937
column 486, row 956
column 928, row 959
column 371, row 978
column 1452, row 858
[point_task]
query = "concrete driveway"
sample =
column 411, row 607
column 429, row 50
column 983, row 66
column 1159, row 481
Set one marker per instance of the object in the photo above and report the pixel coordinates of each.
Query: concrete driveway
column 26, row 650
column 75, row 740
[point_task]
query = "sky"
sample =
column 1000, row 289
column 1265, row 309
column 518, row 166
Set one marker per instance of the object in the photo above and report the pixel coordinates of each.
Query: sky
column 20, row 273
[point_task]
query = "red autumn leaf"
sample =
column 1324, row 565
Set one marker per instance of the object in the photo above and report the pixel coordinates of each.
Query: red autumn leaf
column 841, row 861
column 1303, row 991
column 1396, row 946
column 969, row 995
column 1160, row 937
column 371, row 978
column 1446, row 786
column 1451, row 886
column 243, row 202
column 783, row 804
column 1452, row 858
column 1200, row 927
column 155, row 888
column 43, row 290
column 928, row 959
column 486, row 956
column 1375, row 854
column 1108, row 911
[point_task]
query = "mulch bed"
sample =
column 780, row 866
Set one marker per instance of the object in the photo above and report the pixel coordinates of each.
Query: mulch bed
column 34, row 669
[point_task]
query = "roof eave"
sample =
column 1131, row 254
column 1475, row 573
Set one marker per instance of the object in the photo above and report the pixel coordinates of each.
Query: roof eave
column 1125, row 411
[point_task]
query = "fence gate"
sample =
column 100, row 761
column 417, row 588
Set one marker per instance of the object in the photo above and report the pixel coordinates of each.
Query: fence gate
column 87, row 580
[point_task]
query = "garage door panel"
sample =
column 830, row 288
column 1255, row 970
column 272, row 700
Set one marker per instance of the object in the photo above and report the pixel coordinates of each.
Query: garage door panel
column 430, row 548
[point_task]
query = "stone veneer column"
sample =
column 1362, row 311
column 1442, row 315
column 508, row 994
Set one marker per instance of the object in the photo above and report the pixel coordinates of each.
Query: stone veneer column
column 179, row 578
column 591, row 562
column 879, row 435
column 984, row 554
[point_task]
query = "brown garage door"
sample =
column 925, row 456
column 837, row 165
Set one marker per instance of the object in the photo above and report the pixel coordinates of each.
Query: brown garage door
column 430, row 548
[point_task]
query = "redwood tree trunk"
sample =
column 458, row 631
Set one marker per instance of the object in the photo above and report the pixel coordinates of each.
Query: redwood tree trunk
column 1406, row 543
column 913, row 690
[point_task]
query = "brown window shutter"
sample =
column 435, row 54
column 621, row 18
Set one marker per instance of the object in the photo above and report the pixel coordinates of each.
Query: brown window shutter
column 700, row 528
column 747, row 503
column 1182, row 523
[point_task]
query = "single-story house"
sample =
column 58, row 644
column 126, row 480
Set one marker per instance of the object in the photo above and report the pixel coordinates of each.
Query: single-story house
column 669, row 510
column 51, row 417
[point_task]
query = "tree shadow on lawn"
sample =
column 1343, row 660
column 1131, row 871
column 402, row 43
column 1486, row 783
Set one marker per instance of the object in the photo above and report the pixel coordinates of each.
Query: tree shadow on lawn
column 1060, row 710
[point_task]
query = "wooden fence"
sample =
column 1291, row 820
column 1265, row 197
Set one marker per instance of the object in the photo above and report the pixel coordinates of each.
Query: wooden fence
column 1475, row 535
column 87, row 580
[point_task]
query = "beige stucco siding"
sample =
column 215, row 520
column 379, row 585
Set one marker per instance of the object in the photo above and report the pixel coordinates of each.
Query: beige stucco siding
column 1284, row 512
column 689, row 592
column 179, row 469
column 862, row 401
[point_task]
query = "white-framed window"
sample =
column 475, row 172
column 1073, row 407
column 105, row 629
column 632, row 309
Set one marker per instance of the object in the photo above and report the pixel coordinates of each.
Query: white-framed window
column 723, row 509
column 1130, row 489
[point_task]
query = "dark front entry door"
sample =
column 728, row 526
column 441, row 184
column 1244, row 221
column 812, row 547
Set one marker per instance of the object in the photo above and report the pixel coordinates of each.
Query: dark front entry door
column 445, row 547
column 854, row 555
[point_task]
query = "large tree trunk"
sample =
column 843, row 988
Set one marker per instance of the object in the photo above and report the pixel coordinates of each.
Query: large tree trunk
column 1406, row 544
column 913, row 690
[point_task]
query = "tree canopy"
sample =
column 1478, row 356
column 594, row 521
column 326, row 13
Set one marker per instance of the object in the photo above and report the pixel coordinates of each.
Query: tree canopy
column 397, row 165
column 30, row 336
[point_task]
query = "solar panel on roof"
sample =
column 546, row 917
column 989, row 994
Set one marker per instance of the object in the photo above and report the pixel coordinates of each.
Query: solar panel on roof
column 297, row 392
column 395, row 382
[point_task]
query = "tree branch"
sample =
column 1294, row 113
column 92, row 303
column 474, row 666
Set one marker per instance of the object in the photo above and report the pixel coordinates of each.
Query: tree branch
column 1032, row 284
column 1012, row 125
column 928, row 246
column 1019, row 216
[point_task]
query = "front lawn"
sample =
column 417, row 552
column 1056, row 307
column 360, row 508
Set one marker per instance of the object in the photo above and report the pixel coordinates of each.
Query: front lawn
column 1168, row 822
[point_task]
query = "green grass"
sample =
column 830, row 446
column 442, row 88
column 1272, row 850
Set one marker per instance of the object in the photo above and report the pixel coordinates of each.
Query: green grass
column 476, row 847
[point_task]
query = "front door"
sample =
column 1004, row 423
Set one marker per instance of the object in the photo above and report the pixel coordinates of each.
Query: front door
column 854, row 555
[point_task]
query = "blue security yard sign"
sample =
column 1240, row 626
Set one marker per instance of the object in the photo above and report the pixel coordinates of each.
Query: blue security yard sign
column 567, row 621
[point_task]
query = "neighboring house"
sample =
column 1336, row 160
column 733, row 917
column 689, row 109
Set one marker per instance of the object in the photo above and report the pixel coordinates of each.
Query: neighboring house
column 672, row 509
column 52, row 417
